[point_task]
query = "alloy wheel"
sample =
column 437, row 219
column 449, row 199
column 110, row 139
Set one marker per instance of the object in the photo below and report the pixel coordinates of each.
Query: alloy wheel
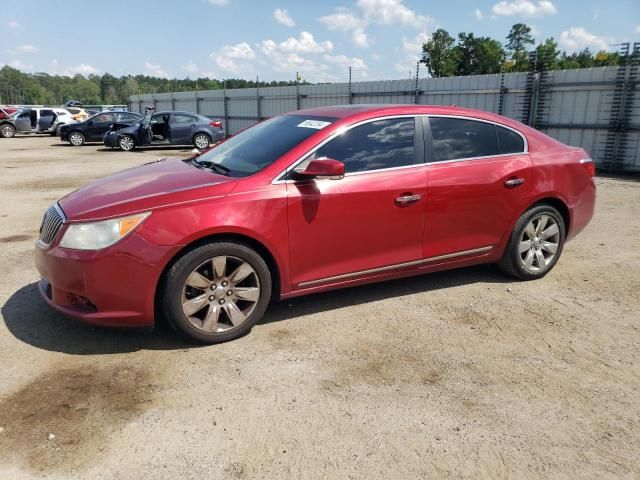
column 220, row 294
column 76, row 139
column 126, row 143
column 539, row 243
column 7, row 131
column 201, row 141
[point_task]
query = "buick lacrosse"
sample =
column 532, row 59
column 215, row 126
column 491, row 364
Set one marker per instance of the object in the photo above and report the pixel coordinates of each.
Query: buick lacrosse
column 309, row 201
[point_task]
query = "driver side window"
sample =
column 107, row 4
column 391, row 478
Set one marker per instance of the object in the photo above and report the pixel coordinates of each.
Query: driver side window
column 385, row 143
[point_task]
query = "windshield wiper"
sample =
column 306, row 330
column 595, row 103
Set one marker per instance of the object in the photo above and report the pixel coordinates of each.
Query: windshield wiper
column 221, row 169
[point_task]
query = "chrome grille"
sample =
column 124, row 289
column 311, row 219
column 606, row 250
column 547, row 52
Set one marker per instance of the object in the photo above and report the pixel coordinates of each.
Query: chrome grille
column 51, row 223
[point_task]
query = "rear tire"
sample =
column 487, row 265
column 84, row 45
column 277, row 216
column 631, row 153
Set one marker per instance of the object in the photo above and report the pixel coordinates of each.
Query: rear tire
column 215, row 292
column 7, row 131
column 535, row 244
column 126, row 143
column 201, row 141
column 76, row 139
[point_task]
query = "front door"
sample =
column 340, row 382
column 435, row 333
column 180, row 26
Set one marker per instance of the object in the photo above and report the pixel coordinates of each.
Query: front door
column 99, row 124
column 23, row 121
column 372, row 218
column 479, row 177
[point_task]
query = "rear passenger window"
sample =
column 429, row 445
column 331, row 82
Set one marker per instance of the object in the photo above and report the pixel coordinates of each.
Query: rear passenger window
column 457, row 138
column 182, row 118
column 509, row 141
column 374, row 145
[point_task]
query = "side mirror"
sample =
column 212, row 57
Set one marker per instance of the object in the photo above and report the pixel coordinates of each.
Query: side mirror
column 90, row 122
column 322, row 168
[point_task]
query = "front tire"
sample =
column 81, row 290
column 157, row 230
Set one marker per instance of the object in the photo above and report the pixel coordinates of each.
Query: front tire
column 7, row 131
column 126, row 143
column 535, row 244
column 216, row 292
column 201, row 141
column 76, row 139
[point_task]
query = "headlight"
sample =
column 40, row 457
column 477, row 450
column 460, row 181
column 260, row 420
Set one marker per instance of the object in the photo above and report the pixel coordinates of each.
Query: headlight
column 102, row 234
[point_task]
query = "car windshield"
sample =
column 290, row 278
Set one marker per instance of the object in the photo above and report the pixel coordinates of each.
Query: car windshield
column 259, row 146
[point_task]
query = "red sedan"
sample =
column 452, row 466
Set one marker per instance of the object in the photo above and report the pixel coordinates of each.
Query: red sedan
column 310, row 201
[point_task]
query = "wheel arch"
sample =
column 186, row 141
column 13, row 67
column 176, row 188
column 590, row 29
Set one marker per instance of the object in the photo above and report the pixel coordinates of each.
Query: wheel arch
column 551, row 199
column 247, row 240
column 557, row 203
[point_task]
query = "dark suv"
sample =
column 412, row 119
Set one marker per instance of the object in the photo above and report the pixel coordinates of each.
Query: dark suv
column 94, row 128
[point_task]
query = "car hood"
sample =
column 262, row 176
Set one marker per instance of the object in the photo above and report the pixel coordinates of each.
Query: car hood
column 153, row 185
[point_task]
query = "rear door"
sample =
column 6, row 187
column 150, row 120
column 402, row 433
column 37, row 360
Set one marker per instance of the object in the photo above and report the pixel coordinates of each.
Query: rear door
column 479, row 178
column 373, row 218
column 181, row 128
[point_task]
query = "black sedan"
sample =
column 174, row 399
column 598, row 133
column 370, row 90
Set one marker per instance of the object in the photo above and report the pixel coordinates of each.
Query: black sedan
column 166, row 128
column 94, row 128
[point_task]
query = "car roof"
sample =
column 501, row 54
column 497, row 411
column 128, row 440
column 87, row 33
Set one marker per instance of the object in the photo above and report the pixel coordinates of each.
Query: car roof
column 372, row 110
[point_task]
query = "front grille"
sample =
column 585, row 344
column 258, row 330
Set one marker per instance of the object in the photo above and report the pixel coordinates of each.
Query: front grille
column 51, row 223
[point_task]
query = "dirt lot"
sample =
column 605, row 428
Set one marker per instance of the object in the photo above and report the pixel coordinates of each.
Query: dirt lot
column 462, row 374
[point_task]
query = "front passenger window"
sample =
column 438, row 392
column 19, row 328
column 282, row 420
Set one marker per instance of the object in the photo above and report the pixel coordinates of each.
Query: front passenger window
column 375, row 145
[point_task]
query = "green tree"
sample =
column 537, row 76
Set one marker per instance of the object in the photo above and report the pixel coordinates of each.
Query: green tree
column 439, row 55
column 478, row 55
column 517, row 40
column 547, row 53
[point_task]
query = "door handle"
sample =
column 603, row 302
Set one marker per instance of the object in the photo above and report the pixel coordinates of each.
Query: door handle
column 404, row 200
column 513, row 182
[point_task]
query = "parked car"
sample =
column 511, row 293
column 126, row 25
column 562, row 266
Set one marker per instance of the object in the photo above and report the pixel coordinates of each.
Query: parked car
column 310, row 201
column 42, row 120
column 79, row 114
column 7, row 124
column 166, row 128
column 94, row 128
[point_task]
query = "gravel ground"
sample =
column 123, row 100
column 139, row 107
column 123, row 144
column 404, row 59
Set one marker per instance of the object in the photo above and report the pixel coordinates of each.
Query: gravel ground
column 461, row 374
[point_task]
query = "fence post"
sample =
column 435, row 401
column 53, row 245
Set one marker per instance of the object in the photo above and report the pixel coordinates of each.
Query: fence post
column 197, row 101
column 416, row 99
column 531, row 92
column 258, row 113
column 173, row 102
column 350, row 93
column 297, row 92
column 502, row 92
column 225, row 107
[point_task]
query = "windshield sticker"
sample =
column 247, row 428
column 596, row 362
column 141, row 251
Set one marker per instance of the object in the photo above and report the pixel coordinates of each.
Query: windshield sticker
column 317, row 124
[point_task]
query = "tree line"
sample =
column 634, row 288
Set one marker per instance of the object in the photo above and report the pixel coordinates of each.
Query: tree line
column 17, row 87
column 471, row 55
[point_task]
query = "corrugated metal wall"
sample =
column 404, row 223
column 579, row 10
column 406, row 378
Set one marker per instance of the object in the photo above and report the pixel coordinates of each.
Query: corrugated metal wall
column 576, row 108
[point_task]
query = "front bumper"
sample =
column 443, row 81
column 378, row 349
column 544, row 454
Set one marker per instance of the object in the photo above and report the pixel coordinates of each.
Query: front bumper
column 111, row 287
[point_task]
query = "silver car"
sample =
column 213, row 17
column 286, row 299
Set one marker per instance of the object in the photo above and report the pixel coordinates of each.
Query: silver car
column 43, row 120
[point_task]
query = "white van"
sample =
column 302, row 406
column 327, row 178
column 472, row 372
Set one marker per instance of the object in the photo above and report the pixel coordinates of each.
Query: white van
column 43, row 120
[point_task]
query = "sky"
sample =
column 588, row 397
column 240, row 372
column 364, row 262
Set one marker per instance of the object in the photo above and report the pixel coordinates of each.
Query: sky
column 379, row 39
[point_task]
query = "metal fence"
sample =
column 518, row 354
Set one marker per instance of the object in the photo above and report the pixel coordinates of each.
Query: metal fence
column 592, row 108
